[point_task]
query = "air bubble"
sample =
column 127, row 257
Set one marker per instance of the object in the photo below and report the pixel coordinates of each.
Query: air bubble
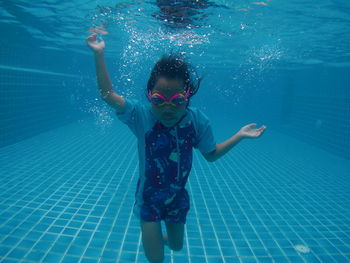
column 302, row 249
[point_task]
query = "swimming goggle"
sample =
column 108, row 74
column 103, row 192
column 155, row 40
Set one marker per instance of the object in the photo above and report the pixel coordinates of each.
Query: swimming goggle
column 177, row 99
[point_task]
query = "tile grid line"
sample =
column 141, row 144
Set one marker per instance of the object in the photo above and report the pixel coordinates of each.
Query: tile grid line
column 299, row 168
column 287, row 201
column 288, row 212
column 225, row 182
column 246, row 172
column 58, row 179
column 276, row 225
column 77, row 209
column 224, row 197
column 224, row 160
column 135, row 172
column 58, row 201
column 101, row 217
column 19, row 190
column 29, row 182
column 209, row 216
column 187, row 245
column 38, row 223
column 138, row 248
column 217, row 205
column 197, row 219
column 34, row 168
column 106, row 174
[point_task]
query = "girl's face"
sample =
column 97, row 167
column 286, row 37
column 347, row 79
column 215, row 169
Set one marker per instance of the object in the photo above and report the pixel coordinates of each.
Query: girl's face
column 168, row 114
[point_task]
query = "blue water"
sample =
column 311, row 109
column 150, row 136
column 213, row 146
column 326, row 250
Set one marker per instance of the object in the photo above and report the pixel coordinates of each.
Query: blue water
column 68, row 167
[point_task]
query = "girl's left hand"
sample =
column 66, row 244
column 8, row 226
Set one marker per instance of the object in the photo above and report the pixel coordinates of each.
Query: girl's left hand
column 248, row 131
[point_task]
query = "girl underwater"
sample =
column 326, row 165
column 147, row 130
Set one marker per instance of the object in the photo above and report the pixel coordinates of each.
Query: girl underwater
column 167, row 130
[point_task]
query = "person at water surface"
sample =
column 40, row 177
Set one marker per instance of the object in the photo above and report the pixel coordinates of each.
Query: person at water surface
column 167, row 130
column 182, row 13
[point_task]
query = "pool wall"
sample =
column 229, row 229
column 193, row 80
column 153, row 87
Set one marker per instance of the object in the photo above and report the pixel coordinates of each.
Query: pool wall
column 316, row 107
column 311, row 104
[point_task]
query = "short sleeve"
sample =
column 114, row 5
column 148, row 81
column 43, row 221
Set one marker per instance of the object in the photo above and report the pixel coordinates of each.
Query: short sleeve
column 130, row 116
column 205, row 137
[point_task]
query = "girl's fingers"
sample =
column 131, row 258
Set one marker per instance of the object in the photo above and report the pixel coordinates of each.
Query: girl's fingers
column 92, row 37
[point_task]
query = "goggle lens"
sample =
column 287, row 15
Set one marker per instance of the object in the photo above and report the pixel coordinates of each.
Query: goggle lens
column 158, row 99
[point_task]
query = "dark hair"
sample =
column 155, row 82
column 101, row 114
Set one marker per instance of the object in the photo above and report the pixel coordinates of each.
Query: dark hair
column 174, row 67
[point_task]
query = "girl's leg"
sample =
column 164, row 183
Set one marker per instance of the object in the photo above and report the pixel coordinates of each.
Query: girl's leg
column 175, row 235
column 152, row 240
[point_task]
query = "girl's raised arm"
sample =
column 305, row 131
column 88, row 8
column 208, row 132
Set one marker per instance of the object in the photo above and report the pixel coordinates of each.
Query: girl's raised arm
column 104, row 83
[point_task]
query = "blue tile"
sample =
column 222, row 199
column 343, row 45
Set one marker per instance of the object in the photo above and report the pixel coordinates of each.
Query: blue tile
column 110, row 254
column 270, row 260
column 99, row 243
column 64, row 239
column 43, row 245
column 296, row 259
column 17, row 253
column 49, row 237
column 197, row 259
column 260, row 252
column 245, row 252
column 55, row 229
column 26, row 244
column 70, row 259
column 340, row 258
column 245, row 211
column 327, row 258
column 81, row 241
column 281, row 259
column 90, row 260
column 70, row 231
column 4, row 249
column 198, row 251
column 212, row 251
column 59, row 248
column 7, row 260
column 93, row 252
column 52, row 258
column 229, row 252
column 127, row 257
column 10, row 241
column 74, row 224
column 36, row 256
column 344, row 249
column 241, row 243
column 248, row 260
column 275, row 252
column 75, row 250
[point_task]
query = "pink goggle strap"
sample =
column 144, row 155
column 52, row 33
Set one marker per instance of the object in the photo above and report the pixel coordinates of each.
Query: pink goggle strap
column 173, row 97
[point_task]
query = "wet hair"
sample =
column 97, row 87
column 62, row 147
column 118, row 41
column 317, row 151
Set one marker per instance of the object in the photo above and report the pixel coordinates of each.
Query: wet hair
column 172, row 66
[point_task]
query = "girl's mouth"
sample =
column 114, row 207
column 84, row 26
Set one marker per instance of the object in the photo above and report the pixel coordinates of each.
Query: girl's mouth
column 168, row 117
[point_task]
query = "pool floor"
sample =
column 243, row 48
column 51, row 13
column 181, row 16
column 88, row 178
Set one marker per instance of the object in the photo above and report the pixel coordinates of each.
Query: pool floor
column 67, row 195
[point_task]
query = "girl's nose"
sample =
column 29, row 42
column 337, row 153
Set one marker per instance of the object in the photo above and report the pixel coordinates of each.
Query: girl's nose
column 168, row 108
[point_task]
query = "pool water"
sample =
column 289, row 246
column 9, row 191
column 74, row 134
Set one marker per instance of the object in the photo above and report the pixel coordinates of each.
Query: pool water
column 69, row 168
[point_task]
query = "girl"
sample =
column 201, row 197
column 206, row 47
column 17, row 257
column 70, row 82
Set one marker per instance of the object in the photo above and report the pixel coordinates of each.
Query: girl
column 166, row 130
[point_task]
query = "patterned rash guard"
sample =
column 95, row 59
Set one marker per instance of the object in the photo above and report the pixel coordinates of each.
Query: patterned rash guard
column 165, row 160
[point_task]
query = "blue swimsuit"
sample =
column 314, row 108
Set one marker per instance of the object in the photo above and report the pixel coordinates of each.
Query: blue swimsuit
column 165, row 156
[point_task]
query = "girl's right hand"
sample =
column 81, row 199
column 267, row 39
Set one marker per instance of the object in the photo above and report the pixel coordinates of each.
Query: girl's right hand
column 96, row 46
